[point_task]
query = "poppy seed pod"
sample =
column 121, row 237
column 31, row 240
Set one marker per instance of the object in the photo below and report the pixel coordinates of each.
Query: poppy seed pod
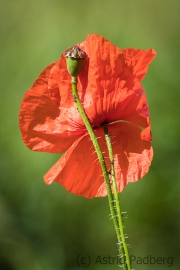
column 75, row 60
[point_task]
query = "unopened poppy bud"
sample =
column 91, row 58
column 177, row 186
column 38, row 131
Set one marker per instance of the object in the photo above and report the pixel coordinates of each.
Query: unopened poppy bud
column 75, row 60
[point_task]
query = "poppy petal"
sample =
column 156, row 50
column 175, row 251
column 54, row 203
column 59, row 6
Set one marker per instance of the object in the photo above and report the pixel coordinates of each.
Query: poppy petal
column 79, row 170
column 132, row 154
column 39, row 119
column 139, row 60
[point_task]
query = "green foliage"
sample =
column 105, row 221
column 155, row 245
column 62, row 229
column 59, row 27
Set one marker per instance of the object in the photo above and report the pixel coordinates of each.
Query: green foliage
column 45, row 227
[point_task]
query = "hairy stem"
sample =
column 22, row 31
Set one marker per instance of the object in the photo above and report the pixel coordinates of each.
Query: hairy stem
column 123, row 247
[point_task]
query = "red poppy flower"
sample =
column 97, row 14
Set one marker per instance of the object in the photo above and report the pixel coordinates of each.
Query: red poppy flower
column 110, row 90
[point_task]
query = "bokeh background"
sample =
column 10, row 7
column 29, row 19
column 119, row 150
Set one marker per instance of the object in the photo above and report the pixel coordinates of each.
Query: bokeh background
column 45, row 227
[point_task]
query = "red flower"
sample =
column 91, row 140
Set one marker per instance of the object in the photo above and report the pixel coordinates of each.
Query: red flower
column 110, row 90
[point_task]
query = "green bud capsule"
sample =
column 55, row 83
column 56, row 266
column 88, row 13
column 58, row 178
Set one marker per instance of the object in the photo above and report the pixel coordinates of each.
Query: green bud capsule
column 75, row 60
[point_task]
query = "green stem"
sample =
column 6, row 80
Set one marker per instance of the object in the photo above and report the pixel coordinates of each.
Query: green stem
column 123, row 248
column 99, row 154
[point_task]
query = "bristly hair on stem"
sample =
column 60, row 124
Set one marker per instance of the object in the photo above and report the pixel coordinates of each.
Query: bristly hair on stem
column 123, row 248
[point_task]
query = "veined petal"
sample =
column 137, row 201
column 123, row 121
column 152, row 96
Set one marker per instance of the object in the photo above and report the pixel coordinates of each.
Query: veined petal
column 42, row 123
column 139, row 60
column 132, row 154
column 79, row 170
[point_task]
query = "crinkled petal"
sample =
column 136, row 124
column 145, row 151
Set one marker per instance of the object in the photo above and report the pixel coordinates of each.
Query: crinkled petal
column 40, row 123
column 139, row 60
column 79, row 170
column 133, row 154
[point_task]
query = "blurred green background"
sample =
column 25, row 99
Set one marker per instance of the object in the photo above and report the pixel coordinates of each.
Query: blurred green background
column 45, row 227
